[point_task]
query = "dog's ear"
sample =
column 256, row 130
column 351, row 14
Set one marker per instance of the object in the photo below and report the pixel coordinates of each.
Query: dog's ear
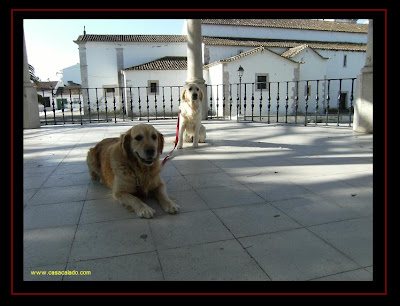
column 201, row 94
column 125, row 142
column 160, row 145
column 183, row 96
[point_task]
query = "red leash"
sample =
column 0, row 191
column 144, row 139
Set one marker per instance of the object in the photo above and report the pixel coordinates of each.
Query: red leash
column 176, row 142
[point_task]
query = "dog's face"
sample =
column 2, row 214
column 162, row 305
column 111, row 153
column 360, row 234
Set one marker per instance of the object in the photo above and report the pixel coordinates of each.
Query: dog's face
column 192, row 94
column 143, row 142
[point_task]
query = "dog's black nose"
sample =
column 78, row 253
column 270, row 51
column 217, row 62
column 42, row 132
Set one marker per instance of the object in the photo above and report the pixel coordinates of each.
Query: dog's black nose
column 149, row 151
column 194, row 96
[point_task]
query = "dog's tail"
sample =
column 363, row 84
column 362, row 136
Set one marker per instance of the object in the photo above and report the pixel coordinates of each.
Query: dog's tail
column 93, row 165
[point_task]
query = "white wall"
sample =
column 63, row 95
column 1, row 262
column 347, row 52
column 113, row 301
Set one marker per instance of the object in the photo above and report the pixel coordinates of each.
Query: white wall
column 335, row 69
column 102, row 58
column 102, row 64
column 171, row 80
column 277, row 68
column 314, row 68
column 72, row 73
column 221, row 52
column 139, row 53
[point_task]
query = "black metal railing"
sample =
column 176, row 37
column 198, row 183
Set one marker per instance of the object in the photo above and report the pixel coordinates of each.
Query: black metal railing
column 303, row 101
column 87, row 105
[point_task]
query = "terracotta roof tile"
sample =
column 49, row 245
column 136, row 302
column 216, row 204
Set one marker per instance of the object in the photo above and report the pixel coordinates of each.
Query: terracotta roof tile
column 46, row 85
column 241, row 55
column 269, row 43
column 304, row 24
column 294, row 51
column 131, row 38
column 164, row 63
column 223, row 41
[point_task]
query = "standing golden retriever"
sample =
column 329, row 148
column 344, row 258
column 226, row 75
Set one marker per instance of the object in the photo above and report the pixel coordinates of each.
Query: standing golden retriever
column 130, row 166
column 190, row 127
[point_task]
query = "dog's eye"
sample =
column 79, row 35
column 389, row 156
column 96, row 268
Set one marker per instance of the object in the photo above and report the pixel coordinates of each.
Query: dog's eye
column 139, row 137
column 154, row 136
column 190, row 89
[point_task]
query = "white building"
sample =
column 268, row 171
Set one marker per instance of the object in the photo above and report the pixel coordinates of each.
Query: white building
column 128, row 69
column 72, row 74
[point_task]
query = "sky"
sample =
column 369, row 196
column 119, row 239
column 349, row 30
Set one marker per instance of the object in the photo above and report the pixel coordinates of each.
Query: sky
column 50, row 46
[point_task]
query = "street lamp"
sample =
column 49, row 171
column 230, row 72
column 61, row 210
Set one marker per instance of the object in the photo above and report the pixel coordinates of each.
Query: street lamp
column 240, row 72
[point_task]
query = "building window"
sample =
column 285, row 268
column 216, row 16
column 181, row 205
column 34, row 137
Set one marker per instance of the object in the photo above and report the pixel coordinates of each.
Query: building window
column 152, row 86
column 109, row 90
column 261, row 81
column 45, row 101
column 345, row 60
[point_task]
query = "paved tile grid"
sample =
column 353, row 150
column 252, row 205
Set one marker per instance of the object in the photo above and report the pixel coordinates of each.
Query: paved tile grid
column 258, row 202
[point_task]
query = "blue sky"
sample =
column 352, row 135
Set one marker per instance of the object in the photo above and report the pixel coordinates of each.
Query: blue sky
column 50, row 46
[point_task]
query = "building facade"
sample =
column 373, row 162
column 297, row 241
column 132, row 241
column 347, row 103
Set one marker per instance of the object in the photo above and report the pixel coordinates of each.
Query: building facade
column 148, row 69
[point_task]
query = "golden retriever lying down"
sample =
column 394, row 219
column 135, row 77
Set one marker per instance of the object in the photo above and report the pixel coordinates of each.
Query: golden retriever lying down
column 130, row 166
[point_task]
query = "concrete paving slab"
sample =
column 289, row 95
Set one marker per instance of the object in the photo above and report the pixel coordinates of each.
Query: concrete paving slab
column 97, row 190
column 184, row 229
column 359, row 201
column 112, row 238
column 47, row 246
column 224, row 196
column 57, row 180
column 188, row 200
column 313, row 210
column 135, row 267
column 50, row 195
column 52, row 215
column 101, row 210
column 216, row 261
column 295, row 255
column 255, row 219
column 324, row 185
column 352, row 237
column 36, row 181
column 194, row 167
column 355, row 275
column 210, row 180
column 279, row 190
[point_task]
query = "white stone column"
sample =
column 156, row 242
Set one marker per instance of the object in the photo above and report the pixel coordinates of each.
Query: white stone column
column 195, row 59
column 84, row 75
column 120, row 66
column 363, row 108
column 30, row 100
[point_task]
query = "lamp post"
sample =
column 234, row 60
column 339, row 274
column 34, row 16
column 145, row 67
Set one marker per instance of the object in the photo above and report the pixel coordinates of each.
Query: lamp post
column 240, row 72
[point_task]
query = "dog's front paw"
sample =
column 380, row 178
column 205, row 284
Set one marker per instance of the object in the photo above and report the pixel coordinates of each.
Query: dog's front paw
column 145, row 212
column 171, row 208
column 179, row 146
column 195, row 145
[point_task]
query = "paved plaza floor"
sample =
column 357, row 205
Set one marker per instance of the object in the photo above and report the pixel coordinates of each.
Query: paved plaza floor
column 258, row 202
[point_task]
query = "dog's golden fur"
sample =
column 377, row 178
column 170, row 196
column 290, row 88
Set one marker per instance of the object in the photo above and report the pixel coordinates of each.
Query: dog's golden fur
column 130, row 166
column 190, row 127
